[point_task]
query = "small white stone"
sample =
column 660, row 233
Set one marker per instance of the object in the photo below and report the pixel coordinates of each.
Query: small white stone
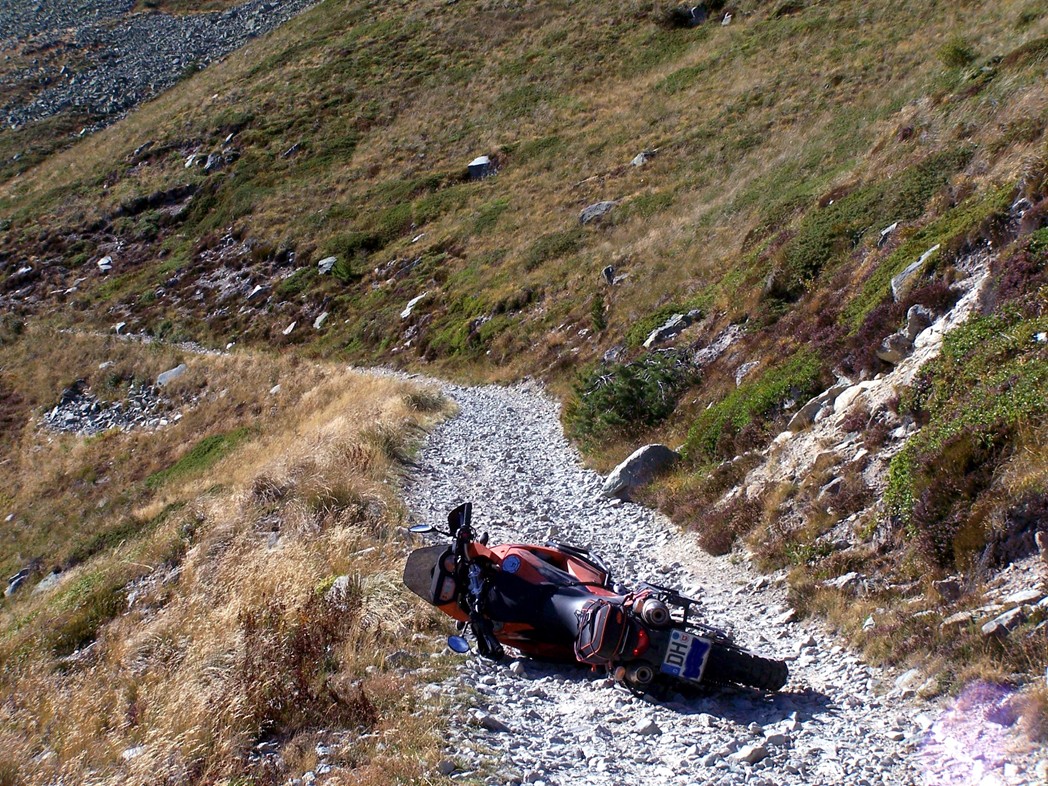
column 751, row 754
column 647, row 728
column 289, row 328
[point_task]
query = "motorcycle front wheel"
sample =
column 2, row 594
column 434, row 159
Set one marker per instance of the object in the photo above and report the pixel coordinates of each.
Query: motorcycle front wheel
column 729, row 665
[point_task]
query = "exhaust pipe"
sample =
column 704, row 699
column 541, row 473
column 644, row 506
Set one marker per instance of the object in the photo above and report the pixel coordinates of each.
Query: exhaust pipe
column 640, row 674
column 655, row 613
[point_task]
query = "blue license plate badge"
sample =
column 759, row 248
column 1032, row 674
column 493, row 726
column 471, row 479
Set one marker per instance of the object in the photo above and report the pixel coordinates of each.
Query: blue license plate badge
column 686, row 656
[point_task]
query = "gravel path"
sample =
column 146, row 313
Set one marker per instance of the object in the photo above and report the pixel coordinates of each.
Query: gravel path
column 838, row 721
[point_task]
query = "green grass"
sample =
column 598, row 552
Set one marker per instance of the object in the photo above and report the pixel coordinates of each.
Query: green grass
column 826, row 235
column 753, row 404
column 989, row 383
column 950, row 232
column 202, row 456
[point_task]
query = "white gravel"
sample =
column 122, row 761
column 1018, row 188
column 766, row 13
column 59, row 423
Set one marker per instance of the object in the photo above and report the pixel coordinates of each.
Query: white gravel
column 837, row 721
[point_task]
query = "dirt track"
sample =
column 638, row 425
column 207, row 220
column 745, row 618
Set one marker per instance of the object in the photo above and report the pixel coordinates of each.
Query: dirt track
column 837, row 721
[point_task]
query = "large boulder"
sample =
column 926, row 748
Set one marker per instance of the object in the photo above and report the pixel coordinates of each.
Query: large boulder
column 171, row 375
column 895, row 348
column 805, row 416
column 595, row 212
column 638, row 470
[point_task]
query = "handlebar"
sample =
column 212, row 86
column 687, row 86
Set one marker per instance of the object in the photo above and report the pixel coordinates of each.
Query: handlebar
column 470, row 580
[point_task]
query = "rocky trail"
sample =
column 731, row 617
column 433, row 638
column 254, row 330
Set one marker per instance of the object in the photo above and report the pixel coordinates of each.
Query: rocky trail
column 838, row 721
column 101, row 58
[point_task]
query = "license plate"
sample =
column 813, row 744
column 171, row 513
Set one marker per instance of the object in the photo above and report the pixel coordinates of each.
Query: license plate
column 686, row 656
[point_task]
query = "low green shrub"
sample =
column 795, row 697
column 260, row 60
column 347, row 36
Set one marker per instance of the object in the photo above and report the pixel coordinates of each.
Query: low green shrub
column 554, row 245
column 956, row 53
column 989, row 383
column 827, row 234
column 752, row 407
column 620, row 399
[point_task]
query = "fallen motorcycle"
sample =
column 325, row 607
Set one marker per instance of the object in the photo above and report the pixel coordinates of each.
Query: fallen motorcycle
column 558, row 602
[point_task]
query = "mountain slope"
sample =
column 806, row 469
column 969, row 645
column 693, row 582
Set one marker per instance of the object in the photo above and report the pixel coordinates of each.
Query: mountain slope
column 802, row 155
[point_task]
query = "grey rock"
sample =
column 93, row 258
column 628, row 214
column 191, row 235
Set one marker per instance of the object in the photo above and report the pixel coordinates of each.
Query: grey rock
column 960, row 618
column 949, row 589
column 777, row 739
column 480, row 167
column 806, row 415
column 639, row 469
column 1023, row 597
column 918, row 318
column 48, row 583
column 1001, row 626
column 886, row 233
column 743, row 371
column 831, row 489
column 596, row 211
column 895, row 348
column 16, row 581
column 325, row 265
column 909, row 680
column 648, row 728
column 105, row 264
column 340, row 592
column 642, row 157
column 751, row 754
column 491, row 723
column 904, row 282
column 849, row 580
column 169, row 376
column 318, row 323
column 410, row 307
column 669, row 329
column 446, row 767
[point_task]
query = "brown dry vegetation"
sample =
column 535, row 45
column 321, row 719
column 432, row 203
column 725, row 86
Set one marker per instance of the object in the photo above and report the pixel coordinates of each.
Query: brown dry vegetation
column 195, row 618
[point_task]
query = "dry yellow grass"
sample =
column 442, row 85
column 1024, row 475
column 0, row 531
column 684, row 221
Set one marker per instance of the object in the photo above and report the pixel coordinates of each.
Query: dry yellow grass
column 225, row 631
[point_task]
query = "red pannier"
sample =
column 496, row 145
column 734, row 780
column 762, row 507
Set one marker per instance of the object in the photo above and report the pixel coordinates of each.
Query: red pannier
column 602, row 632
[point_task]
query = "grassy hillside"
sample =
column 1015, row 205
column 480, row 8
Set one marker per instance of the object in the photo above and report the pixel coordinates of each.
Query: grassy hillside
column 191, row 616
column 783, row 143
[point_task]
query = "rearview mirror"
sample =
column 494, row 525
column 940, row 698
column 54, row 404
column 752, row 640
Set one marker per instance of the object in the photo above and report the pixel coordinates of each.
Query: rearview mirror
column 460, row 517
column 420, row 529
column 458, row 644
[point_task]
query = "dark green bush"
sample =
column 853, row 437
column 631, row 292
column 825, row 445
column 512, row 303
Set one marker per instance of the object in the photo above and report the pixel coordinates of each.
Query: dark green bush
column 620, row 399
column 956, row 53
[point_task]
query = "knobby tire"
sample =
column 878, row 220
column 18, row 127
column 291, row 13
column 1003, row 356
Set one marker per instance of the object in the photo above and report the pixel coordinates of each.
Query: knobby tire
column 727, row 665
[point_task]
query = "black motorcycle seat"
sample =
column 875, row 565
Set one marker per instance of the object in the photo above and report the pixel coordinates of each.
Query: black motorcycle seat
column 550, row 608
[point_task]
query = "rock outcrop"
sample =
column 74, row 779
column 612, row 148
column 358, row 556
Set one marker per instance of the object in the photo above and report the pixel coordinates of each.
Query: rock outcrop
column 638, row 470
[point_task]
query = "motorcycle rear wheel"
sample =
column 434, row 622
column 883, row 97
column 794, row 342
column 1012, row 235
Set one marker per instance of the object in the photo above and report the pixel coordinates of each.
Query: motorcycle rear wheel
column 728, row 665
